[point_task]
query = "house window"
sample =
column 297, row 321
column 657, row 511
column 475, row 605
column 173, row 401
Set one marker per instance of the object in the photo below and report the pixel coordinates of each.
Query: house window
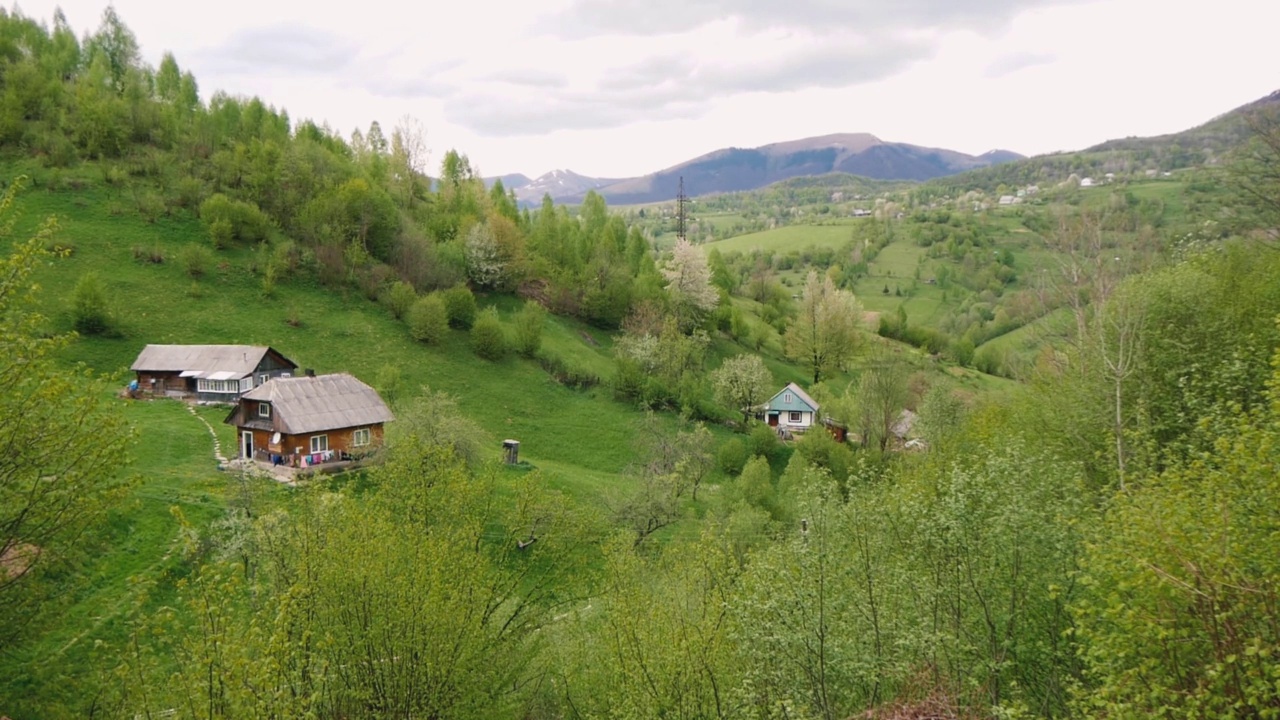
column 264, row 410
column 319, row 443
column 793, row 417
column 786, row 398
column 230, row 387
column 360, row 437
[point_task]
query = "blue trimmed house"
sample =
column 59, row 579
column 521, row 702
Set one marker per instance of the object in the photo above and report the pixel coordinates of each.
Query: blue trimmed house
column 791, row 409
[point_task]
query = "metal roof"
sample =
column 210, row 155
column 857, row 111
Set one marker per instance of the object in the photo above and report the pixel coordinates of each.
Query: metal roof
column 203, row 360
column 325, row 402
column 795, row 390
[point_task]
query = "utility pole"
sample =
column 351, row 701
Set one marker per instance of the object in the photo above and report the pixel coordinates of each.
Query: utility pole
column 681, row 214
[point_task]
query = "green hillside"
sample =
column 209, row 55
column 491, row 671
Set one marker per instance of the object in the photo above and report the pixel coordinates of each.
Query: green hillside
column 1050, row 428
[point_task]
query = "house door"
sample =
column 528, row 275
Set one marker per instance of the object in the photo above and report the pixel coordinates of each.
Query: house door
column 773, row 419
column 246, row 443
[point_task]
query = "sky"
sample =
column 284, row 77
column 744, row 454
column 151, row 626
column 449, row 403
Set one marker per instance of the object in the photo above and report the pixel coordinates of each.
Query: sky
column 619, row 88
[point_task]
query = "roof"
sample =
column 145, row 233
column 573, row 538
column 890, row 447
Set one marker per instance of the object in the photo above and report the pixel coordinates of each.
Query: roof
column 226, row 361
column 795, row 390
column 324, row 402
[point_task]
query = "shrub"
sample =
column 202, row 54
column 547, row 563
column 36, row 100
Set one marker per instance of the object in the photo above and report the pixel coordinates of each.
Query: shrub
column 488, row 339
column 460, row 306
column 89, row 311
column 529, row 323
column 732, row 456
column 228, row 219
column 195, row 260
column 565, row 374
column 763, row 441
column 153, row 254
column 427, row 320
column 399, row 298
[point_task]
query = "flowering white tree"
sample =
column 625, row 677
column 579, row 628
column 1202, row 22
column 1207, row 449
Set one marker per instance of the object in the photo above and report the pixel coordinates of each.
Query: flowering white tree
column 689, row 283
column 486, row 266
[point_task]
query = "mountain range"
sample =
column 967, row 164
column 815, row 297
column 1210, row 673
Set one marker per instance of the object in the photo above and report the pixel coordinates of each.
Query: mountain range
column 735, row 169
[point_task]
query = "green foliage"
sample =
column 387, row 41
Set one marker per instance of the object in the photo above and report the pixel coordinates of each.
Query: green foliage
column 231, row 220
column 488, row 337
column 90, row 314
column 742, row 383
column 428, row 320
column 528, row 329
column 195, row 260
column 61, row 437
column 1181, row 619
column 732, row 456
column 460, row 306
column 399, row 298
column 763, row 441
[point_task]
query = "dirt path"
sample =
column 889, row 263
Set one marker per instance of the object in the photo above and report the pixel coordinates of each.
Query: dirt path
column 217, row 444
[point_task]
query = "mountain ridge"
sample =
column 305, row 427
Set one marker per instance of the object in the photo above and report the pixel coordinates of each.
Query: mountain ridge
column 733, row 169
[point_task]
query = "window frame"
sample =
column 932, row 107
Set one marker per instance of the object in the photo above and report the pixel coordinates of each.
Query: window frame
column 323, row 440
column 220, row 387
column 264, row 410
column 360, row 434
column 795, row 417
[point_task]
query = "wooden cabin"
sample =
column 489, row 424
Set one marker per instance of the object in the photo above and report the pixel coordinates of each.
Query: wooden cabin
column 209, row 373
column 309, row 420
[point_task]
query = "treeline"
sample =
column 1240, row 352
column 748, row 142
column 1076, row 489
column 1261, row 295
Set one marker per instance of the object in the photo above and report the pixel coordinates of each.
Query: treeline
column 360, row 211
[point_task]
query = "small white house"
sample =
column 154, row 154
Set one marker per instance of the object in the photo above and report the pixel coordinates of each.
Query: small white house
column 1006, row 199
column 1086, row 182
column 791, row 409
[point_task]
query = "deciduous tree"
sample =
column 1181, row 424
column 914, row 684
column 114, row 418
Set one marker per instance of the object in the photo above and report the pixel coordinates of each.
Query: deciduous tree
column 825, row 334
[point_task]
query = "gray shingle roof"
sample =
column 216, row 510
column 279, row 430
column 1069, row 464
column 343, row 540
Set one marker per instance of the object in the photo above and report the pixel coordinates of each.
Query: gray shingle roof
column 325, row 402
column 204, row 359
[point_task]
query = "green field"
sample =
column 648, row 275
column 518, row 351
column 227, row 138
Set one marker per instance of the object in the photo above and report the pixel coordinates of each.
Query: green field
column 790, row 237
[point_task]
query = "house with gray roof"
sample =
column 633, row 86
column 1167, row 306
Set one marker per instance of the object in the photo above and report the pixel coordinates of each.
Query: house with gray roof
column 309, row 420
column 210, row 373
column 791, row 409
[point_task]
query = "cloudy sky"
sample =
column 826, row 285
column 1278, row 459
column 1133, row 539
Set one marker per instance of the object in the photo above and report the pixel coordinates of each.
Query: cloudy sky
column 614, row 88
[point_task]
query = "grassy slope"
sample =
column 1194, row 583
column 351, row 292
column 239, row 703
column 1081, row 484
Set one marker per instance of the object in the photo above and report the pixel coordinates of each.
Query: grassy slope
column 582, row 440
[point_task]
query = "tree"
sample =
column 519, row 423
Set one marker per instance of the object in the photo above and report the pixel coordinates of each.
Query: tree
column 689, row 284
column 882, row 394
column 62, row 440
column 825, row 334
column 428, row 320
column 460, row 306
column 1255, row 173
column 89, row 312
column 529, row 322
column 488, row 338
column 742, row 383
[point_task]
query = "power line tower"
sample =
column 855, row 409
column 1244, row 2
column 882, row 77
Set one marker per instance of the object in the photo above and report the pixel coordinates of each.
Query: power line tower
column 681, row 212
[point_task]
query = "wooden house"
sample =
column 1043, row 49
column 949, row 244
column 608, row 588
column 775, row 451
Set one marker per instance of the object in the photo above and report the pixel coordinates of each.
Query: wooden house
column 304, row 421
column 791, row 409
column 211, row 373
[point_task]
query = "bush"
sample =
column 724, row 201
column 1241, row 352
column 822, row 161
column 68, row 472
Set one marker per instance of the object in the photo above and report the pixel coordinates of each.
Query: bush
column 89, row 311
column 195, row 260
column 228, row 220
column 399, row 298
column 427, row 320
column 460, row 306
column 488, row 339
column 568, row 376
column 732, row 456
column 529, row 323
column 153, row 254
column 763, row 441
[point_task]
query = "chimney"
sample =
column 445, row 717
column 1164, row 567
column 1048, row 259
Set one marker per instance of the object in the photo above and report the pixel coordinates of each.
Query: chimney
column 311, row 372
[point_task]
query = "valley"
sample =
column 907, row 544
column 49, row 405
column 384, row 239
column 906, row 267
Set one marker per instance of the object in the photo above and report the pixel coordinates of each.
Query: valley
column 858, row 429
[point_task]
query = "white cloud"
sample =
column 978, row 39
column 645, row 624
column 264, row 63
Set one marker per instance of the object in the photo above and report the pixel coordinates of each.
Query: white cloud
column 622, row 87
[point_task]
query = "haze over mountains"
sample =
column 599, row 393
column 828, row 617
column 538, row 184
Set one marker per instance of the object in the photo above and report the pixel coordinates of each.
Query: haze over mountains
column 734, row 169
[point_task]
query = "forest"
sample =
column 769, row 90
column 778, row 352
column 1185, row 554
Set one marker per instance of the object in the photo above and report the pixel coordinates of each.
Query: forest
column 1096, row 538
